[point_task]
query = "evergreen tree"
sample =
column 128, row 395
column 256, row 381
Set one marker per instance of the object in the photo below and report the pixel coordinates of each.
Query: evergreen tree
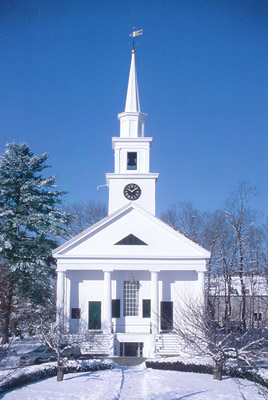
column 30, row 219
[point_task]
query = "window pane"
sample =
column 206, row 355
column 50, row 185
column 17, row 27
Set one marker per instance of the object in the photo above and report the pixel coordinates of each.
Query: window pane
column 131, row 298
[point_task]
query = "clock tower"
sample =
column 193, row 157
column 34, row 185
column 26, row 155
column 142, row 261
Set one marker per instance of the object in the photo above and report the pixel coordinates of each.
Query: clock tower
column 132, row 180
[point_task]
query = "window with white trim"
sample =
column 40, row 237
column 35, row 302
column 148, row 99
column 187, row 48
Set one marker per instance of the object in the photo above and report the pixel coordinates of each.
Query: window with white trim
column 131, row 298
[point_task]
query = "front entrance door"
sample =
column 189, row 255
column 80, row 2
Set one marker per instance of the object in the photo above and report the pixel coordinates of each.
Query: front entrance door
column 94, row 315
column 166, row 315
column 131, row 349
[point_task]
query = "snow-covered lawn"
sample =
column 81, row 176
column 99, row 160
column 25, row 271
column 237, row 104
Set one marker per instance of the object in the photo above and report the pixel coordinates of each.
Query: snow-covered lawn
column 135, row 383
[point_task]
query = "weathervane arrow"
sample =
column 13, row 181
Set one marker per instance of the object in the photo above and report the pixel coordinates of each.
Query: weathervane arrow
column 134, row 34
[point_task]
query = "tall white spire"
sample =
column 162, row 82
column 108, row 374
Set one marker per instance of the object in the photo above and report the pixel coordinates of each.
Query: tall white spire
column 132, row 120
column 132, row 100
column 132, row 153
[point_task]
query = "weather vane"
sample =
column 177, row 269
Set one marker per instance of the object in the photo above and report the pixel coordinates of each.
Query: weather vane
column 133, row 35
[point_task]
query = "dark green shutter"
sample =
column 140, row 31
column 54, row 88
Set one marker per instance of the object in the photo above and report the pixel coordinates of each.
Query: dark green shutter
column 116, row 308
column 146, row 309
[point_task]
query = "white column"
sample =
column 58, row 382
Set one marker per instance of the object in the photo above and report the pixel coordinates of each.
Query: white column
column 60, row 297
column 201, row 287
column 154, row 302
column 107, row 303
column 67, row 312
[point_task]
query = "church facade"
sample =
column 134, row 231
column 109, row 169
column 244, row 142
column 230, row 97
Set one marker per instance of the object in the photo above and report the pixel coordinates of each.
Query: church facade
column 122, row 281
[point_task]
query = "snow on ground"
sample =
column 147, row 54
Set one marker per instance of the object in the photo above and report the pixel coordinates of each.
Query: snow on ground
column 135, row 383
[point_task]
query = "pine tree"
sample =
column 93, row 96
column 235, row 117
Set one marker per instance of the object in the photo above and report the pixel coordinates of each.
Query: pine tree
column 30, row 219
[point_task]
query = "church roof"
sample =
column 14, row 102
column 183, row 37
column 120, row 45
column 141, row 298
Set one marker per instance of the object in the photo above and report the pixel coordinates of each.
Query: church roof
column 101, row 239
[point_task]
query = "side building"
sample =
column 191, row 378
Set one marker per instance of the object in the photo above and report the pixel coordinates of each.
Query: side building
column 121, row 281
column 226, row 302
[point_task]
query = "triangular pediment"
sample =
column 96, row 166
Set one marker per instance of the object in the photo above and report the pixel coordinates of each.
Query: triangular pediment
column 131, row 240
column 103, row 239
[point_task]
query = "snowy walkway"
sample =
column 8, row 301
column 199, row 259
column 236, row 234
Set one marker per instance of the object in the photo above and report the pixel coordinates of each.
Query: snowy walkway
column 135, row 383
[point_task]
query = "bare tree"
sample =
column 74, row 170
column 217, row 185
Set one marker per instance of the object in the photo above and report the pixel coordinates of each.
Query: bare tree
column 59, row 341
column 223, row 263
column 186, row 219
column 84, row 215
column 210, row 230
column 264, row 250
column 203, row 335
column 242, row 219
column 238, row 246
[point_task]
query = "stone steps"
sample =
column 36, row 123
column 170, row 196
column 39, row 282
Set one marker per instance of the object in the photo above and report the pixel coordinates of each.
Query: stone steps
column 96, row 344
column 167, row 344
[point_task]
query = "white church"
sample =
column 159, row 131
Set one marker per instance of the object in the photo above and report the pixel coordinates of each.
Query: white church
column 121, row 282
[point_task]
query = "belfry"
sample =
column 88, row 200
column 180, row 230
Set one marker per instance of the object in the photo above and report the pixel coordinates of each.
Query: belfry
column 132, row 179
column 121, row 281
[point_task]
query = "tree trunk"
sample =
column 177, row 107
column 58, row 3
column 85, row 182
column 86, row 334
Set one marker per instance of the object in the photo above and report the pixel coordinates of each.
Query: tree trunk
column 218, row 370
column 6, row 309
column 60, row 371
column 228, row 304
column 242, row 283
column 208, row 282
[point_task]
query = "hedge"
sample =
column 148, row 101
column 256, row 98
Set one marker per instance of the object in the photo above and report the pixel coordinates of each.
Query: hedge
column 32, row 374
column 250, row 373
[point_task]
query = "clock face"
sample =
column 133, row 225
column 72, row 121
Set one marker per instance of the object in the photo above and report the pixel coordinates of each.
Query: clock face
column 132, row 191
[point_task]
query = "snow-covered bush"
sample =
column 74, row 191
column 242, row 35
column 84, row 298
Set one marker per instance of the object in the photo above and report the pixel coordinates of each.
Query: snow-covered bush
column 185, row 365
column 256, row 374
column 31, row 374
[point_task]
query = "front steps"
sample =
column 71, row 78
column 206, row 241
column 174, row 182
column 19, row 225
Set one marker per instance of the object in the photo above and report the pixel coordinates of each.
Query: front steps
column 102, row 345
column 167, row 344
column 95, row 345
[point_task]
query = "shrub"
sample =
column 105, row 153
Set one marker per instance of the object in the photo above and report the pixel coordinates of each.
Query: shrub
column 34, row 373
column 253, row 374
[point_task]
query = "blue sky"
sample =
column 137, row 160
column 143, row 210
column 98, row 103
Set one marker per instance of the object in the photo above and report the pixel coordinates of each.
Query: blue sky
column 203, row 81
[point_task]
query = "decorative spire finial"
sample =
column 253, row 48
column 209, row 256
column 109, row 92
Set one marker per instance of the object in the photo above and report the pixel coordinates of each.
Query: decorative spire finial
column 133, row 35
column 132, row 100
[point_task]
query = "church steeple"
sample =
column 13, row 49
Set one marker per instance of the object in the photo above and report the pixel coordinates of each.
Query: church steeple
column 132, row 120
column 132, row 100
column 132, row 179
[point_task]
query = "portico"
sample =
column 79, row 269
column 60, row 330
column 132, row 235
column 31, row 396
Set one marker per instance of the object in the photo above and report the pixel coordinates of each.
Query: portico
column 129, row 295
